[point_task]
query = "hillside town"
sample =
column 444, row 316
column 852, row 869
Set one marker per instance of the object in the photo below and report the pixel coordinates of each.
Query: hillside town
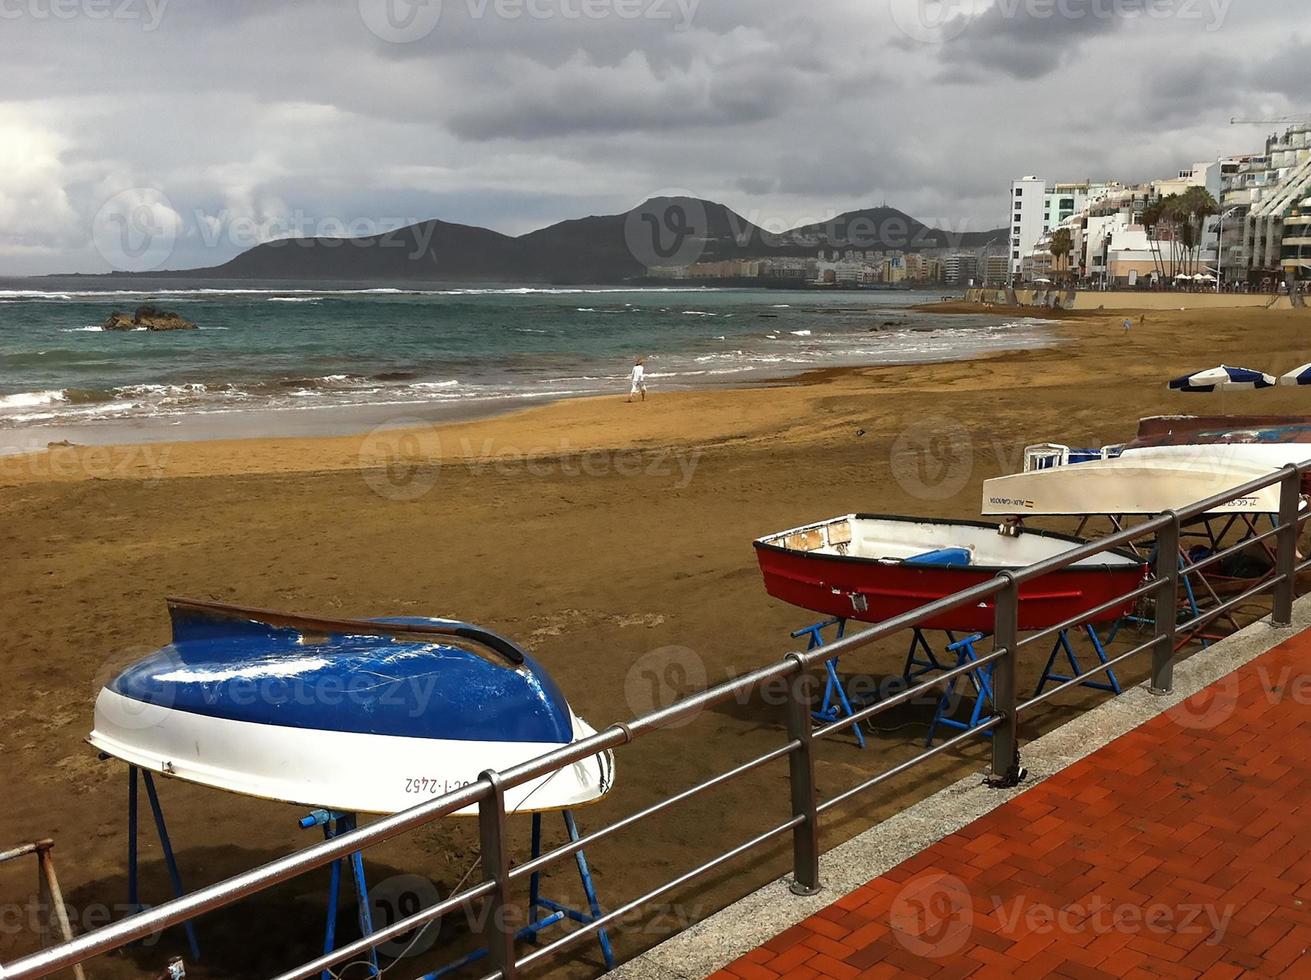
column 1237, row 224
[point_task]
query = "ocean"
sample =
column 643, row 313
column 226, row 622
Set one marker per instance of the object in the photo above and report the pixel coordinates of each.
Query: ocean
column 275, row 358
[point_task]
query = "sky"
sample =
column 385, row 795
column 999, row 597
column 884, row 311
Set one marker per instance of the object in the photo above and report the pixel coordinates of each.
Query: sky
column 146, row 134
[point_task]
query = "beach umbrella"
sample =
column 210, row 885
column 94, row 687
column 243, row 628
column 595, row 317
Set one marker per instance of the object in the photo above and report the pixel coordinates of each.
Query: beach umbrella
column 1223, row 378
column 1298, row 377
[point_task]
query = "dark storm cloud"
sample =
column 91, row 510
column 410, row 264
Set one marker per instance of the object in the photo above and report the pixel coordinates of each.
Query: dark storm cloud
column 1029, row 39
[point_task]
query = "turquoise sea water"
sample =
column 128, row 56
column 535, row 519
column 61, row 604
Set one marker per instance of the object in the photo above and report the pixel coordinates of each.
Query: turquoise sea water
column 279, row 346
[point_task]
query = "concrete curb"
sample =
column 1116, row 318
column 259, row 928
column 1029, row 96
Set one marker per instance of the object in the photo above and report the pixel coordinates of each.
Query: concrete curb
column 727, row 935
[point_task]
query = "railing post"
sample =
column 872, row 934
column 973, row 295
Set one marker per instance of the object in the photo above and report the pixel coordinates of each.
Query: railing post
column 1290, row 489
column 1167, row 605
column 801, row 774
column 1006, row 769
column 498, row 930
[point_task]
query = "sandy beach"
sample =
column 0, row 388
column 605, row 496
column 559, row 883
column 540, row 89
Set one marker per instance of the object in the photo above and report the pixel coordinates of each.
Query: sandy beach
column 612, row 539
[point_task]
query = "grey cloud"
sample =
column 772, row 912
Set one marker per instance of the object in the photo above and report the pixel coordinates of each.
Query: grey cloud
column 250, row 111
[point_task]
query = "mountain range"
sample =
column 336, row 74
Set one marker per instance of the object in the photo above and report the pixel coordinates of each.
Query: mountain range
column 659, row 233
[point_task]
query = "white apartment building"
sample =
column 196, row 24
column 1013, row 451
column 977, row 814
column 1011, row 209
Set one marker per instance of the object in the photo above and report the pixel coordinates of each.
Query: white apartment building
column 1037, row 208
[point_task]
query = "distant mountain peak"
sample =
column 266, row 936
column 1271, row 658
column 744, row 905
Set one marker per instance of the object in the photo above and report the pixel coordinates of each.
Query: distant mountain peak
column 659, row 232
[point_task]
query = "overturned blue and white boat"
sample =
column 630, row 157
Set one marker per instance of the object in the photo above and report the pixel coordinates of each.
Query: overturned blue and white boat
column 357, row 716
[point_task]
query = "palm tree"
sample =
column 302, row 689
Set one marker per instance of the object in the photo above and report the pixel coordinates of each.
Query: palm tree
column 1178, row 219
column 1062, row 245
column 1196, row 206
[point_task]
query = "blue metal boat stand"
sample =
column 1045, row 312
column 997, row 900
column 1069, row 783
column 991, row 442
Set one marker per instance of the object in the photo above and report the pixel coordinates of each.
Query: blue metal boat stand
column 981, row 680
column 921, row 659
column 916, row 668
column 1063, row 645
column 338, row 823
column 335, row 824
column 836, row 704
column 170, row 861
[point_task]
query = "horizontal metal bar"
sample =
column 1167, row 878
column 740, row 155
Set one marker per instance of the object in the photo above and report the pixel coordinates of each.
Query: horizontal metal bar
column 711, row 865
column 1084, row 618
column 1234, row 549
column 573, row 847
column 909, row 694
column 907, row 620
column 400, row 927
column 951, row 743
column 1234, row 603
column 225, row 892
column 1090, row 672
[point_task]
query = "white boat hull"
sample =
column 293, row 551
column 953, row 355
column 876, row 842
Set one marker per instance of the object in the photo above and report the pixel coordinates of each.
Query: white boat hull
column 1147, row 482
column 344, row 771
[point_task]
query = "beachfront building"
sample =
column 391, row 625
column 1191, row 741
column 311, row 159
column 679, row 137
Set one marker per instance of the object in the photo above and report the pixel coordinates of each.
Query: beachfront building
column 959, row 268
column 1208, row 176
column 996, row 267
column 1038, row 208
column 1276, row 239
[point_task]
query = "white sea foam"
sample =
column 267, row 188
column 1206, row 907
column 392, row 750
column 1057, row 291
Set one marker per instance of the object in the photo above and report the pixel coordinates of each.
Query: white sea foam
column 801, row 333
column 33, row 399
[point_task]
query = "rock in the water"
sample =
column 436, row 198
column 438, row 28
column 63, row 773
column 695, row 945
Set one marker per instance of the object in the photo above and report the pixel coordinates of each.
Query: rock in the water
column 148, row 318
column 118, row 321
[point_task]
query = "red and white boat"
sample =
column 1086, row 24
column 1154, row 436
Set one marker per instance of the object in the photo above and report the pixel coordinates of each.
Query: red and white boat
column 871, row 568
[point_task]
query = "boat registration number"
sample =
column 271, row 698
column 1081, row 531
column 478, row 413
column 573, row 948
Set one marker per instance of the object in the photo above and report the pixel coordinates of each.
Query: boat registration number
column 427, row 785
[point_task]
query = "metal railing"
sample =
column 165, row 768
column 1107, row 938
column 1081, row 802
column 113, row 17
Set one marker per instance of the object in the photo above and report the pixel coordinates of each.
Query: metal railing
column 489, row 791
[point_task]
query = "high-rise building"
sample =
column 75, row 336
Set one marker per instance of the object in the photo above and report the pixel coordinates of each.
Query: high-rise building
column 1037, row 208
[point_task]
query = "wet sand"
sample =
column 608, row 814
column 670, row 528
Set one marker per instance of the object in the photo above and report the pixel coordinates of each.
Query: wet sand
column 613, row 540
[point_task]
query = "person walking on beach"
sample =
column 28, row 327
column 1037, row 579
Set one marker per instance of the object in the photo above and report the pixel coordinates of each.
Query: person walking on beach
column 1128, row 324
column 638, row 378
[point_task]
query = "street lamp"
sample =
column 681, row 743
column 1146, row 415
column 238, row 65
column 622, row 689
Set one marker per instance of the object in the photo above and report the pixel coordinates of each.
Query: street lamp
column 1220, row 249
